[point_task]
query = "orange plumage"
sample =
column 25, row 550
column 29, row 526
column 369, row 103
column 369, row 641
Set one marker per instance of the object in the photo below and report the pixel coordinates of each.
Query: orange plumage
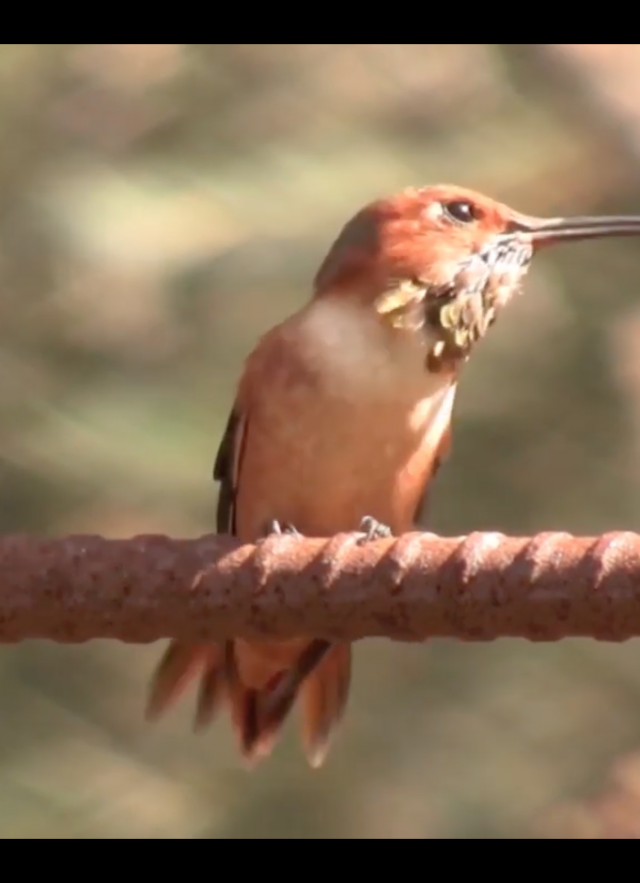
column 343, row 412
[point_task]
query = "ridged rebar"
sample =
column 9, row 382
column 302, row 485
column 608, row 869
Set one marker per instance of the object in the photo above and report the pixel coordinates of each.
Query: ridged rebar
column 410, row 588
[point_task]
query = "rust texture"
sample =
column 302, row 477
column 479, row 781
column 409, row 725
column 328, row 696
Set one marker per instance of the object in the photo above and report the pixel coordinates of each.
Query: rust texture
column 410, row 588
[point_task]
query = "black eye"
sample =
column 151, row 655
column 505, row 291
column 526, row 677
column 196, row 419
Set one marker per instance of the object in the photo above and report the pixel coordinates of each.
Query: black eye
column 462, row 211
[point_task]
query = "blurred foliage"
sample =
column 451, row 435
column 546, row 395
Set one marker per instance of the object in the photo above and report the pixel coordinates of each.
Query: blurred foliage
column 160, row 206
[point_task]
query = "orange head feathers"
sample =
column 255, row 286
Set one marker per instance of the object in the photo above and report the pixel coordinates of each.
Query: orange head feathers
column 445, row 259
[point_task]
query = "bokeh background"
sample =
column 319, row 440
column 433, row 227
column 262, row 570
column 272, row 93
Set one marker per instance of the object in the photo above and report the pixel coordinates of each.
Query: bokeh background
column 160, row 206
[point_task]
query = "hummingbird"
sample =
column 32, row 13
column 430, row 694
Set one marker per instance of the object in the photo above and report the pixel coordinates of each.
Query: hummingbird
column 342, row 418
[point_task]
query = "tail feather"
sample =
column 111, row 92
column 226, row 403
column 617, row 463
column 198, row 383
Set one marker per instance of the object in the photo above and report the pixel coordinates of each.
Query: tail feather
column 243, row 706
column 320, row 676
column 178, row 666
column 323, row 698
column 212, row 690
column 255, row 741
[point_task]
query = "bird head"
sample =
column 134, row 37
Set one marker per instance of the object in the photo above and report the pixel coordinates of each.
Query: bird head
column 444, row 260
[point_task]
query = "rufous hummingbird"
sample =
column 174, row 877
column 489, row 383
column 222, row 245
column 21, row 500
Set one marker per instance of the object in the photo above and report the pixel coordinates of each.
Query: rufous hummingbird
column 343, row 416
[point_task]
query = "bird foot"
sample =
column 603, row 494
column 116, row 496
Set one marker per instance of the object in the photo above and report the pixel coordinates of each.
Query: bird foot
column 274, row 527
column 372, row 530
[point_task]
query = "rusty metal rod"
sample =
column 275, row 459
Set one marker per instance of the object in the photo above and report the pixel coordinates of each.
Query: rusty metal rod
column 410, row 588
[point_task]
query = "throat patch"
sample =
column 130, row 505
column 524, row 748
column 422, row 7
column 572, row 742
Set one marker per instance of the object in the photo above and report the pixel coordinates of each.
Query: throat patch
column 485, row 281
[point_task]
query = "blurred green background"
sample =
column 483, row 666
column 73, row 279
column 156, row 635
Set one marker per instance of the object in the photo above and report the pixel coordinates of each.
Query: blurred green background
column 160, row 206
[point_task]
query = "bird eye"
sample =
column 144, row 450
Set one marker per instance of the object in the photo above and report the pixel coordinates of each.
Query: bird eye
column 462, row 211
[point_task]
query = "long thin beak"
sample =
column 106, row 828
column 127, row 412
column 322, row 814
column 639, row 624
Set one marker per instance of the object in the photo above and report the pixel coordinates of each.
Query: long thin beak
column 549, row 231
